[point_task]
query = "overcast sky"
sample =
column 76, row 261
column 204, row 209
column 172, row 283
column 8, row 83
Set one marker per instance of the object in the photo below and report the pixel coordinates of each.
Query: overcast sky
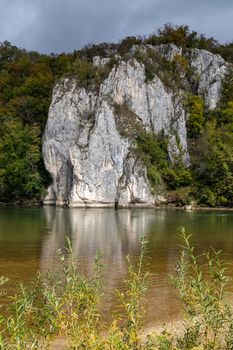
column 65, row 25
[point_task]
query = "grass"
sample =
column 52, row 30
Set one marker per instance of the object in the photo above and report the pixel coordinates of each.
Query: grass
column 66, row 305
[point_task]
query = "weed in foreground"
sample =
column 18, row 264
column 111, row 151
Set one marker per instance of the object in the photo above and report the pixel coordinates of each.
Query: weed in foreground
column 66, row 304
column 202, row 283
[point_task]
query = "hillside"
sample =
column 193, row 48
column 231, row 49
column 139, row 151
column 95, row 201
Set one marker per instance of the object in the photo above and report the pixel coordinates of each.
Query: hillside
column 158, row 109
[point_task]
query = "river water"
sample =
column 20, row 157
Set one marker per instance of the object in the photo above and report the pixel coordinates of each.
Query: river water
column 30, row 238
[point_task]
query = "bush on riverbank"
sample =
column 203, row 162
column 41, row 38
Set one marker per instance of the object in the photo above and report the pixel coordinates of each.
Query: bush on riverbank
column 66, row 304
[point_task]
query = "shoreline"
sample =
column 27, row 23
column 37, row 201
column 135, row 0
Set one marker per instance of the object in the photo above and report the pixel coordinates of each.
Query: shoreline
column 40, row 204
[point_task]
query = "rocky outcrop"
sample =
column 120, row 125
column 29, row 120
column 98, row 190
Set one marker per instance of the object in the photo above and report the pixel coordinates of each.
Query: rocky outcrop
column 209, row 70
column 91, row 159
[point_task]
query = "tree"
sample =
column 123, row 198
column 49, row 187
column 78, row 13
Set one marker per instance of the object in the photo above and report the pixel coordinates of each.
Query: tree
column 196, row 116
column 20, row 161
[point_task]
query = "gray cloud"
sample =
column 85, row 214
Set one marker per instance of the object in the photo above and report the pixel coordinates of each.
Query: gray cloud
column 64, row 25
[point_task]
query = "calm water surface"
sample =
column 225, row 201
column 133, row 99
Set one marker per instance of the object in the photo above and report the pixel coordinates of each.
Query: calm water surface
column 30, row 238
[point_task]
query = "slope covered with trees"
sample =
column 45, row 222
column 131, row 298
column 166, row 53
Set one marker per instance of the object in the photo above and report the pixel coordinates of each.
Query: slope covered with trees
column 26, row 84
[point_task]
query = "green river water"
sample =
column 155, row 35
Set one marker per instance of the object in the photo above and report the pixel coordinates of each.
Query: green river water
column 30, row 238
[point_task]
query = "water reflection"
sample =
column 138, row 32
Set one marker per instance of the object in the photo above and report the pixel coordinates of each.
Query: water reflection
column 117, row 234
column 30, row 238
column 114, row 233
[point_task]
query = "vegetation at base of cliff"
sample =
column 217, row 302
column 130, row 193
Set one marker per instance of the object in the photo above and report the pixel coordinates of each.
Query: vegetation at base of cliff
column 212, row 152
column 66, row 306
column 154, row 152
column 212, row 164
column 209, row 179
column 26, row 83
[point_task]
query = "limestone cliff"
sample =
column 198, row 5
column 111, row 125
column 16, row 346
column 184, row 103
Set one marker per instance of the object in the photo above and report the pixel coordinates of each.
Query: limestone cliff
column 87, row 143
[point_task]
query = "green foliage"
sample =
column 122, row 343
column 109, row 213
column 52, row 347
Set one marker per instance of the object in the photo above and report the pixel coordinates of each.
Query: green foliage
column 181, row 196
column 67, row 304
column 84, row 71
column 211, row 155
column 172, row 73
column 196, row 116
column 153, row 150
column 177, row 176
column 89, row 76
column 130, row 300
column 226, row 51
column 124, row 332
column 183, row 37
column 225, row 116
column 20, row 161
column 64, row 303
column 206, row 196
column 127, row 43
column 26, row 81
column 154, row 147
column 202, row 282
column 227, row 88
column 91, row 50
column 213, row 167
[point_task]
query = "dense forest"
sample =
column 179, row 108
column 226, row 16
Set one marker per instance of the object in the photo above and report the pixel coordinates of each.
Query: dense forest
column 26, row 83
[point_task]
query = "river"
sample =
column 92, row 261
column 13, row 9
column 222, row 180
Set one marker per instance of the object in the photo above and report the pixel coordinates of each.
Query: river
column 30, row 238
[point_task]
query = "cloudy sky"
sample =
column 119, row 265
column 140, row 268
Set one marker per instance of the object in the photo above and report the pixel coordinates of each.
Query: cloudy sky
column 64, row 25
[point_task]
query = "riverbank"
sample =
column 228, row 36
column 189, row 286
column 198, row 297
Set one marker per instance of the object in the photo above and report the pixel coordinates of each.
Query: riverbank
column 22, row 204
column 39, row 204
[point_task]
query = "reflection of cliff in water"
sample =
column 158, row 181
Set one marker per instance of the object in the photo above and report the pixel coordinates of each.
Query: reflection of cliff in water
column 30, row 238
column 114, row 233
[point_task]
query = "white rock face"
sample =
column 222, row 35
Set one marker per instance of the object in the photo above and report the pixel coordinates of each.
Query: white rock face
column 210, row 70
column 99, row 62
column 90, row 161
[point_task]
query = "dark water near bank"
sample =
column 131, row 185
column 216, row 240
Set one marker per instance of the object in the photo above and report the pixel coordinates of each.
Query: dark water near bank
column 30, row 238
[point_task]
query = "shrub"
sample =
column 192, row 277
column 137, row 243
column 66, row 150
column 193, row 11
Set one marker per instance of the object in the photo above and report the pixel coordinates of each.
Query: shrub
column 84, row 71
column 201, row 282
column 196, row 116
column 181, row 196
column 177, row 176
column 127, row 43
column 207, row 197
column 225, row 115
column 183, row 37
column 227, row 88
column 153, row 151
column 173, row 73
